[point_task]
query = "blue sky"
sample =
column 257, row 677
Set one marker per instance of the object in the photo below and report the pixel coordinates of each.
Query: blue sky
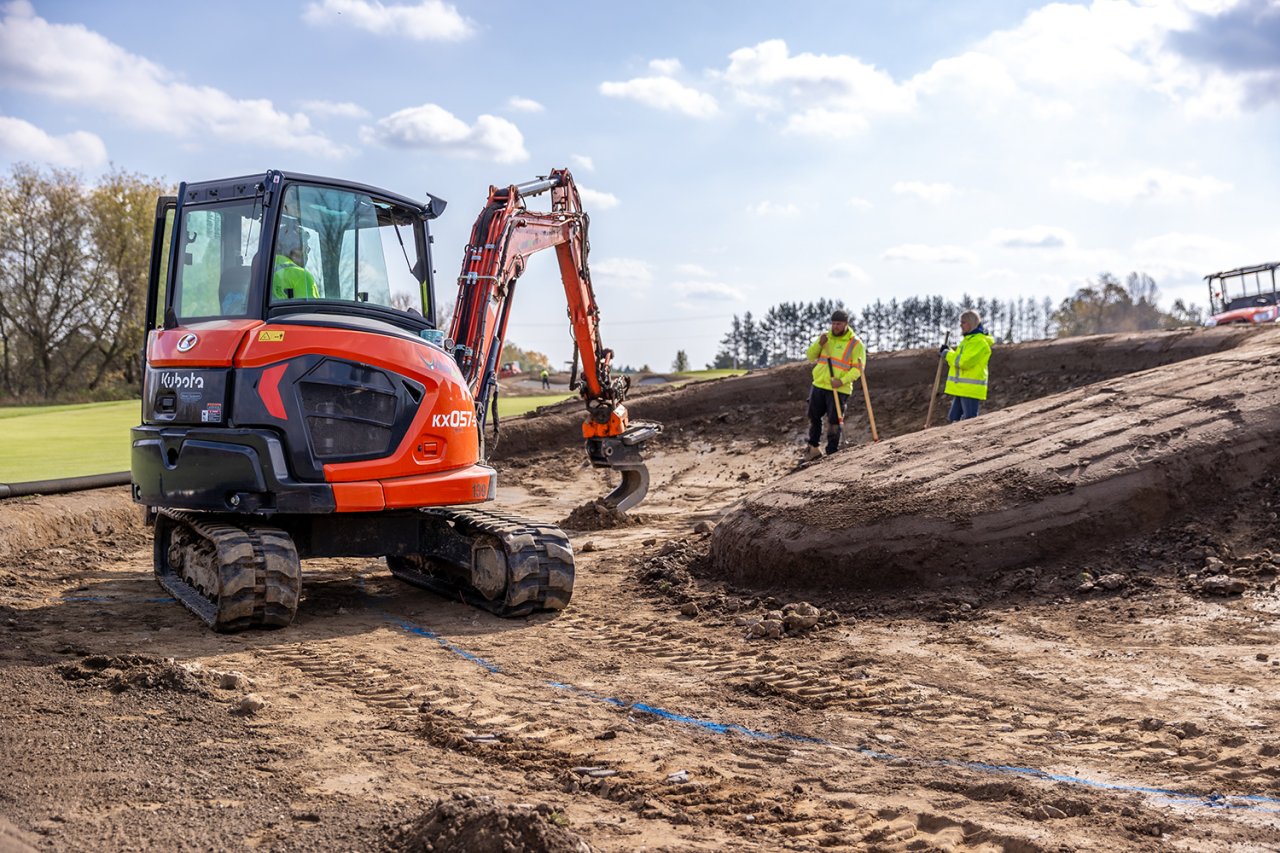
column 732, row 154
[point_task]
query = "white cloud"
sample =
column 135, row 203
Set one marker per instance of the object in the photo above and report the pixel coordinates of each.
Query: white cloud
column 21, row 140
column 771, row 208
column 434, row 128
column 694, row 270
column 1065, row 60
column 665, row 67
column 845, row 270
column 343, row 109
column 1033, row 237
column 827, row 95
column 68, row 62
column 525, row 105
column 920, row 254
column 935, row 193
column 583, row 162
column 597, row 200
column 826, row 123
column 708, row 291
column 663, row 93
column 429, row 20
column 630, row 269
column 1149, row 185
column 859, row 203
column 1177, row 245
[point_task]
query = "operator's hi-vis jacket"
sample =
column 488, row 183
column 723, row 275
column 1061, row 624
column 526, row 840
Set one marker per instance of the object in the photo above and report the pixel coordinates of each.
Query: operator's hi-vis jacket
column 847, row 355
column 287, row 275
column 967, row 363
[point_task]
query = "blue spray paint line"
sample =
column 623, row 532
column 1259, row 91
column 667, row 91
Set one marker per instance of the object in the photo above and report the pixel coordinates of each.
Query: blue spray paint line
column 1215, row 801
column 718, row 728
column 1241, row 802
column 432, row 635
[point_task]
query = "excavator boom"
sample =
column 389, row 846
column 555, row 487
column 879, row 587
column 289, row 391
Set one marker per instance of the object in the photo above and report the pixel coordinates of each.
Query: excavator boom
column 503, row 238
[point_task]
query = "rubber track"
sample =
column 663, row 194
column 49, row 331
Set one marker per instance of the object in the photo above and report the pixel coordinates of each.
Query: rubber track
column 539, row 563
column 259, row 575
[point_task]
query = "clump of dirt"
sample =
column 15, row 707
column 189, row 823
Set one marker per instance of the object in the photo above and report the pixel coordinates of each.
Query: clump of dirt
column 597, row 515
column 471, row 824
column 666, row 571
column 126, row 672
column 672, row 573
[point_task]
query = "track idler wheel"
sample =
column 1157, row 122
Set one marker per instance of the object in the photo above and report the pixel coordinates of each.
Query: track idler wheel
column 506, row 565
column 231, row 574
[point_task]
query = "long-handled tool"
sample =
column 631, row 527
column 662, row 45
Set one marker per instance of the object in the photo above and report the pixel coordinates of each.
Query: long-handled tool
column 866, row 395
column 832, row 371
column 937, row 381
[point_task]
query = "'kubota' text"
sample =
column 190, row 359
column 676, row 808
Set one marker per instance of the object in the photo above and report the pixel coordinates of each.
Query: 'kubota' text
column 181, row 380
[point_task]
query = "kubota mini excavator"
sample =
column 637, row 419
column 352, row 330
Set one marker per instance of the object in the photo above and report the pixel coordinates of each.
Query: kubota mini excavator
column 300, row 401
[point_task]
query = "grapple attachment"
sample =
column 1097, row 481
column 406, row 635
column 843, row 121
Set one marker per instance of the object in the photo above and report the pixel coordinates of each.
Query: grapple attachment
column 621, row 453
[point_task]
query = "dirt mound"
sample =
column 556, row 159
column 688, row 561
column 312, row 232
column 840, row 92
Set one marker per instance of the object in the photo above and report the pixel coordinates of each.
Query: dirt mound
column 122, row 673
column 597, row 515
column 1034, row 482
column 44, row 520
column 470, row 824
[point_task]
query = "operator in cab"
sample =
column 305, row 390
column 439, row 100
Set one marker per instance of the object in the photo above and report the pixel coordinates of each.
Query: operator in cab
column 290, row 279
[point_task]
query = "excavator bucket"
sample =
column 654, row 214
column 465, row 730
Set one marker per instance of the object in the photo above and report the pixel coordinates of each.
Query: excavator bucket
column 622, row 454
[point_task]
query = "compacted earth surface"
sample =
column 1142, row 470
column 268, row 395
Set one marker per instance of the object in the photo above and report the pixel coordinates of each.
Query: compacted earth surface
column 744, row 663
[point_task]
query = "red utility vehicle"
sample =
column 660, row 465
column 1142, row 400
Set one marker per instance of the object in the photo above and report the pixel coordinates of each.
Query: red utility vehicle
column 1244, row 295
column 300, row 401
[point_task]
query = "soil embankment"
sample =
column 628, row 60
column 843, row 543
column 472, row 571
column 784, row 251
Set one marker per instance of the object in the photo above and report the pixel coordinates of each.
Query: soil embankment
column 1037, row 481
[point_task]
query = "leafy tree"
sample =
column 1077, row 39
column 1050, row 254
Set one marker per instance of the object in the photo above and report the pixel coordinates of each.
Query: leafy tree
column 46, row 283
column 681, row 364
column 122, row 211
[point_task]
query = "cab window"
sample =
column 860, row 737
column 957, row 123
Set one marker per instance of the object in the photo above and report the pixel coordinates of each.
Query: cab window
column 341, row 245
column 217, row 244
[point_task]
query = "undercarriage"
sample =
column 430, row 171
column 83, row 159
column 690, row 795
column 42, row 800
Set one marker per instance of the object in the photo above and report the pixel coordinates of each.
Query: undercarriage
column 244, row 571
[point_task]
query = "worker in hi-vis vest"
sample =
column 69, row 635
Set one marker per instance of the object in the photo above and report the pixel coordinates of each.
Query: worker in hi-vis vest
column 967, row 368
column 838, row 358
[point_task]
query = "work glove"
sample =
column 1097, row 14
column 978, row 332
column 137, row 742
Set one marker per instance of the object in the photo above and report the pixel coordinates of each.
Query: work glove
column 943, row 350
column 822, row 339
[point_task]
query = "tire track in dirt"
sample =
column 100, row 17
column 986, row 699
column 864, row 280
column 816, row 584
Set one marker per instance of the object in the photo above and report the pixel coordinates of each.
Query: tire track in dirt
column 499, row 719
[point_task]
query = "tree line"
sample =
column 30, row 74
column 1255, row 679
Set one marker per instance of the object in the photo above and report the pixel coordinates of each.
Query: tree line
column 1103, row 305
column 73, row 282
column 74, row 260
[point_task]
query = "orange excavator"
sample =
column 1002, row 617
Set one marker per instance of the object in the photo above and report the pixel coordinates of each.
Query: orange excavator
column 300, row 400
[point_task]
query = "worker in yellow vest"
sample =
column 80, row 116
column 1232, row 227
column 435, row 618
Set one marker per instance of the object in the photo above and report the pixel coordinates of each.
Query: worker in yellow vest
column 838, row 358
column 967, row 368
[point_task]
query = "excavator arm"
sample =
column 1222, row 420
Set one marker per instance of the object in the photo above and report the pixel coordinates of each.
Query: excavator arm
column 503, row 238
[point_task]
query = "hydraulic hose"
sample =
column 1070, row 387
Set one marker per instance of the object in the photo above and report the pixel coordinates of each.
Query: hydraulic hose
column 66, row 484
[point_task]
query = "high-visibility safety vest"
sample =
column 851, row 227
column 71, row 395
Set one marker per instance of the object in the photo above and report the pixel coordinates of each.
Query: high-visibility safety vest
column 846, row 355
column 289, row 276
column 967, row 366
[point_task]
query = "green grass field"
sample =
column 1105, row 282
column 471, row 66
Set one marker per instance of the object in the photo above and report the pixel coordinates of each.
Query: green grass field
column 48, row 442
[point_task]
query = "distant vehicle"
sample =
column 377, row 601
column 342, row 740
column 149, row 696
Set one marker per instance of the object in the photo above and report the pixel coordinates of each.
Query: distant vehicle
column 509, row 369
column 1244, row 295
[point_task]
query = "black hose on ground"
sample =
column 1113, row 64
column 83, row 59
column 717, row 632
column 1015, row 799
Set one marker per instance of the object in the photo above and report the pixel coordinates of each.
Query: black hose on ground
column 66, row 484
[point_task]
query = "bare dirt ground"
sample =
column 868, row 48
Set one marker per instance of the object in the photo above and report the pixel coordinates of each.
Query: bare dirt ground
column 1121, row 693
